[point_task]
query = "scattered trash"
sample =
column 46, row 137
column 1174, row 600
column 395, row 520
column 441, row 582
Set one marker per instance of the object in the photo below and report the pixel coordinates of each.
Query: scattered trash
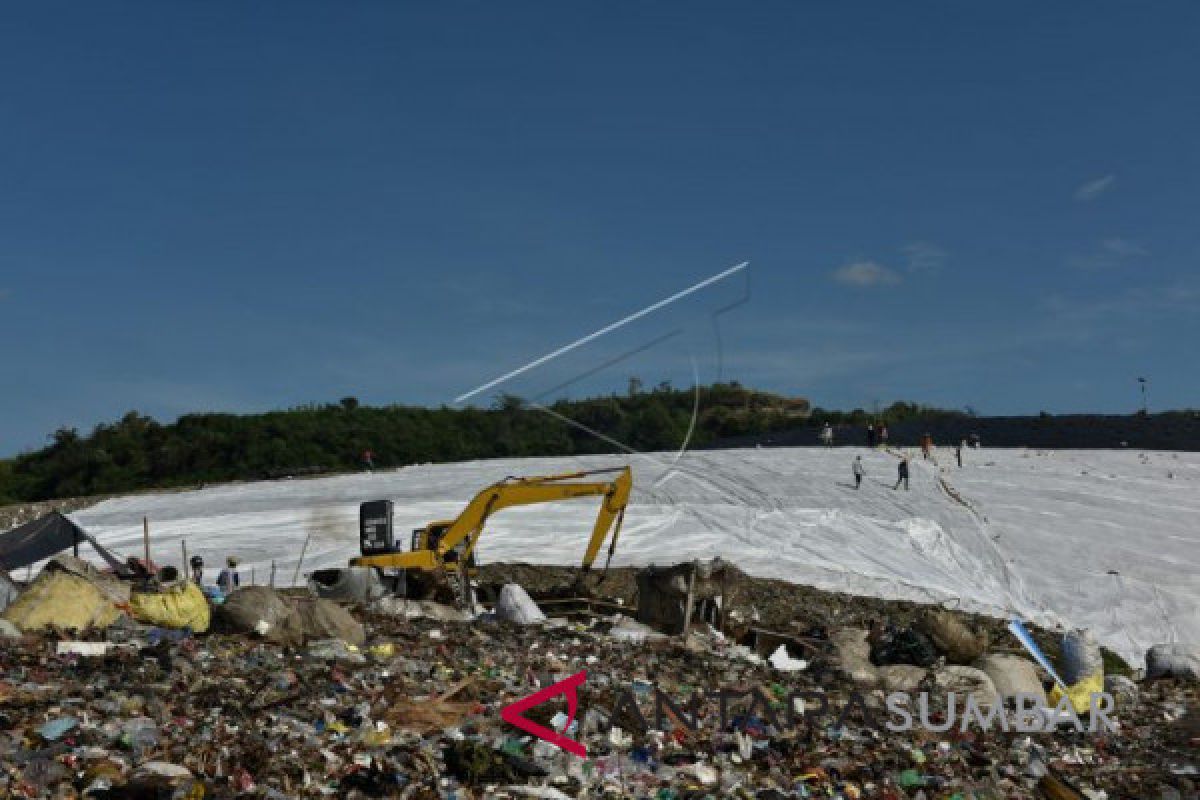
column 360, row 584
column 82, row 648
column 630, row 630
column 57, row 728
column 783, row 662
column 891, row 645
column 412, row 709
column 336, row 650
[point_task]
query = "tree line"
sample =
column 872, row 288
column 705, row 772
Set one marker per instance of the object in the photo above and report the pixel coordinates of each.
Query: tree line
column 138, row 452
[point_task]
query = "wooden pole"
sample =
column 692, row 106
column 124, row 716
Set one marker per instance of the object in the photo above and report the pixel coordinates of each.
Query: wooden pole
column 303, row 550
column 146, row 540
column 272, row 584
column 186, row 569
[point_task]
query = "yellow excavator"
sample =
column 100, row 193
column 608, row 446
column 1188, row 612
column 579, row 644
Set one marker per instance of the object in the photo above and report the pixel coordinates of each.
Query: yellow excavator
column 443, row 553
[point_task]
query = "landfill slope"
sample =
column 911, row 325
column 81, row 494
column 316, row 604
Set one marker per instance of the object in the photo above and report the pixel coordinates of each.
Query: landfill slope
column 1033, row 532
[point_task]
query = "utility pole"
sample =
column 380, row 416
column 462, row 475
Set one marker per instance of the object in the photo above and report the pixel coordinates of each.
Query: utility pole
column 1145, row 405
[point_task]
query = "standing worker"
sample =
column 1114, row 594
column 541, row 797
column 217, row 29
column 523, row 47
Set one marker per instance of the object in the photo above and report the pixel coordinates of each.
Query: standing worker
column 827, row 435
column 871, row 436
column 229, row 579
column 902, row 474
column 926, row 446
column 958, row 452
column 883, row 435
column 858, row 471
column 197, row 564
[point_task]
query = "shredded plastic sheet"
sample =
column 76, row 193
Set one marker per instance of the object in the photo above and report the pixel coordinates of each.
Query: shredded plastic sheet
column 783, row 662
column 1015, row 532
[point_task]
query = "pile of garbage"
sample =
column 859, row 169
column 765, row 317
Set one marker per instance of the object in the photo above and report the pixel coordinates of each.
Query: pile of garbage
column 278, row 694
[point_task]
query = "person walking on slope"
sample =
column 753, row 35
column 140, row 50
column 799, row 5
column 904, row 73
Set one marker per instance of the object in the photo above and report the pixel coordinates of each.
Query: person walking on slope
column 871, row 436
column 958, row 452
column 827, row 435
column 902, row 474
column 883, row 435
column 858, row 471
column 926, row 446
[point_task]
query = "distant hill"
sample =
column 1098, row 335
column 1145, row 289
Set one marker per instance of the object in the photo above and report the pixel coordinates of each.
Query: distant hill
column 138, row 453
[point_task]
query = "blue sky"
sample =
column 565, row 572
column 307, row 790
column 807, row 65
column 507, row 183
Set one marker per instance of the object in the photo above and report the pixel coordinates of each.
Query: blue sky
column 220, row 206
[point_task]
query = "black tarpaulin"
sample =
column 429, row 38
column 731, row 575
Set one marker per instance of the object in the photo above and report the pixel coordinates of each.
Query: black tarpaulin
column 44, row 537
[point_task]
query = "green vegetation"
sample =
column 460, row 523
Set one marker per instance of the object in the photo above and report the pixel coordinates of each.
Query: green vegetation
column 139, row 453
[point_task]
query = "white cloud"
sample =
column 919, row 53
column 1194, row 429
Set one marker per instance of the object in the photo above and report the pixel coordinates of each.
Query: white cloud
column 1124, row 248
column 1108, row 254
column 1094, row 188
column 923, row 256
column 865, row 273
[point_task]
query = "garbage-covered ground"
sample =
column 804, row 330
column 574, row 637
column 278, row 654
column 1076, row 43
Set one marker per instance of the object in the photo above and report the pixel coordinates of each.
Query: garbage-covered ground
column 408, row 705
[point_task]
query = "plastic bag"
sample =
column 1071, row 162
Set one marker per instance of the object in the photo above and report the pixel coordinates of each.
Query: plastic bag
column 180, row 606
column 1173, row 661
column 1081, row 656
column 515, row 605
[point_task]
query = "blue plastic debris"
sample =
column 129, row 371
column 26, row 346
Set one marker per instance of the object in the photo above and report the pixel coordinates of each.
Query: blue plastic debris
column 56, row 728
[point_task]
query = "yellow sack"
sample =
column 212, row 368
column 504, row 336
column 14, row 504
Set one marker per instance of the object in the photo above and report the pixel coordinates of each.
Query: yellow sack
column 180, row 606
column 61, row 600
column 1079, row 694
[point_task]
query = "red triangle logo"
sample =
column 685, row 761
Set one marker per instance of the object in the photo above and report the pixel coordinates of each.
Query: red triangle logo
column 512, row 713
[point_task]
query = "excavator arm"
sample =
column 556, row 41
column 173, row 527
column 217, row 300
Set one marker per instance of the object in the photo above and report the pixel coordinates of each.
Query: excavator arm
column 468, row 526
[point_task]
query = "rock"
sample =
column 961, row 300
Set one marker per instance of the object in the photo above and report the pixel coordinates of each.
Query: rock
column 965, row 681
column 8, row 630
column 1173, row 661
column 901, row 677
column 515, row 605
column 1012, row 675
